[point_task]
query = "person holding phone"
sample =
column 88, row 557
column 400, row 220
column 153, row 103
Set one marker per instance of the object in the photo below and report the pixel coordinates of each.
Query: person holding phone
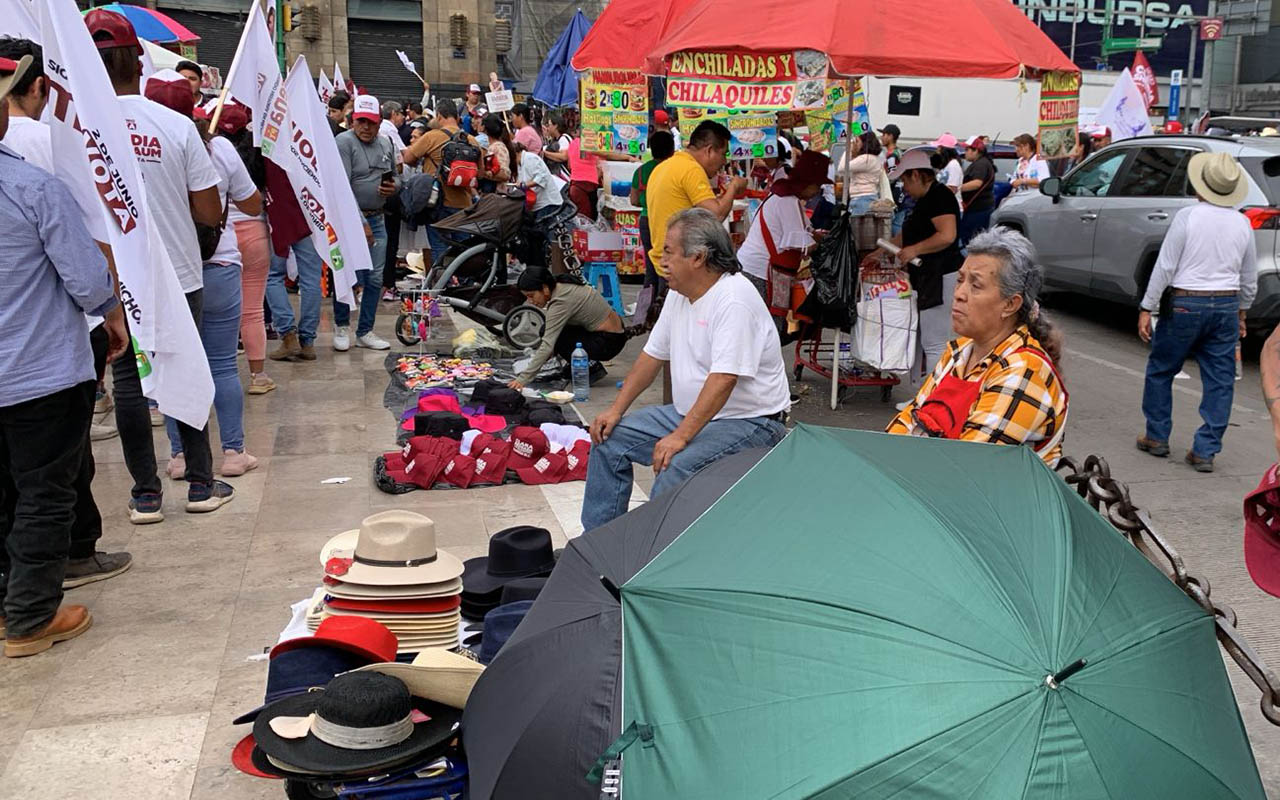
column 370, row 163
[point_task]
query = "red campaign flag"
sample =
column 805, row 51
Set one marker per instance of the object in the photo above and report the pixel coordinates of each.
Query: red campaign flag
column 1145, row 77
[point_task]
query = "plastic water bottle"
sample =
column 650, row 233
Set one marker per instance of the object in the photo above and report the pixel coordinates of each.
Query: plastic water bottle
column 580, row 366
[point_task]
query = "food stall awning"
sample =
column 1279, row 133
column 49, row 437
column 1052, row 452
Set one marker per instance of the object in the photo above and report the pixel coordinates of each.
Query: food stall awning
column 625, row 31
column 958, row 39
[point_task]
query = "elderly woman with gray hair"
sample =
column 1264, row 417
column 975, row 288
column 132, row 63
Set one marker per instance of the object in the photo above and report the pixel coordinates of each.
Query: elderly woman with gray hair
column 728, row 381
column 998, row 381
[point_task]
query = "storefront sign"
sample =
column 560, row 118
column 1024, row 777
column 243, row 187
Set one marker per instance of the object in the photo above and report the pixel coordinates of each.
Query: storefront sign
column 1059, row 113
column 756, row 81
column 615, row 111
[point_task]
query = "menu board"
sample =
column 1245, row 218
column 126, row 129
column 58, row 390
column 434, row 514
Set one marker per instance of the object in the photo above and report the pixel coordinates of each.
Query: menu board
column 830, row 125
column 734, row 80
column 753, row 134
column 615, row 111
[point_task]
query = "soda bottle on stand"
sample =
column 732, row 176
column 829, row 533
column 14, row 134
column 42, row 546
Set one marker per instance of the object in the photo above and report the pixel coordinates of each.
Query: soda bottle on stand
column 580, row 367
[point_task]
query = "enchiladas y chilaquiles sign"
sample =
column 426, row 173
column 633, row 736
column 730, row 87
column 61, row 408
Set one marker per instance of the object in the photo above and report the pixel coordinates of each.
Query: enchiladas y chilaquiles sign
column 732, row 80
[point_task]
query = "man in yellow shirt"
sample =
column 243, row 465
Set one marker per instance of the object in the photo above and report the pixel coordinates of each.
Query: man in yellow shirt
column 683, row 181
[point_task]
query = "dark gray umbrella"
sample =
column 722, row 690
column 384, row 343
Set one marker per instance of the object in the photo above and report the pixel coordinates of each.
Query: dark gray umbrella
column 548, row 705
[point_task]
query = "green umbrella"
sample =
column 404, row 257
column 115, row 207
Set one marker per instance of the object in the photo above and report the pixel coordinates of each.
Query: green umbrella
column 873, row 616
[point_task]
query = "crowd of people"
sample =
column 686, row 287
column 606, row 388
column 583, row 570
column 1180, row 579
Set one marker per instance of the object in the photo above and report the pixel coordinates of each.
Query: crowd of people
column 988, row 366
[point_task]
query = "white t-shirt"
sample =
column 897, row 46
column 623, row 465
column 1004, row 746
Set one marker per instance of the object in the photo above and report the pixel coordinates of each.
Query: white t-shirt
column 31, row 139
column 1035, row 168
column 953, row 175
column 535, row 175
column 787, row 225
column 388, row 130
column 728, row 330
column 233, row 177
column 174, row 163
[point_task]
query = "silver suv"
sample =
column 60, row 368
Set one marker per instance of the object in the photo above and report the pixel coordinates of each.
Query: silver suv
column 1099, row 228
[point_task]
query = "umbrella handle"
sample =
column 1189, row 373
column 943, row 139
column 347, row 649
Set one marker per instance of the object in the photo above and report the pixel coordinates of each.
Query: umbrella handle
column 611, row 588
column 1055, row 680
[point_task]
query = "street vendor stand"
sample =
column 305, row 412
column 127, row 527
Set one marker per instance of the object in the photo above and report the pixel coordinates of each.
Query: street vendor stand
column 757, row 55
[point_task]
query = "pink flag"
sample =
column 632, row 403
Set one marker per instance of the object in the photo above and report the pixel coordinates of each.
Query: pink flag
column 1145, row 77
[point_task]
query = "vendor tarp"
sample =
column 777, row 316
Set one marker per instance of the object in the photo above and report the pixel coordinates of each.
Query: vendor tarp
column 876, row 616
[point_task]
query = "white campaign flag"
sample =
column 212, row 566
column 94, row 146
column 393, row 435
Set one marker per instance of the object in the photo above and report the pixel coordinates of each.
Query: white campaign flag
column 321, row 184
column 1125, row 111
column 19, row 20
column 89, row 132
column 339, row 82
column 254, row 81
column 324, row 88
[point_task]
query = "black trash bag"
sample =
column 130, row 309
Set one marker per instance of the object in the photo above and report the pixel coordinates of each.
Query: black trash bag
column 833, row 303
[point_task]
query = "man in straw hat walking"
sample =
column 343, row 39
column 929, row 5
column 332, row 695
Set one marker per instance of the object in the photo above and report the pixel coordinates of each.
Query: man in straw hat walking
column 51, row 271
column 1208, row 264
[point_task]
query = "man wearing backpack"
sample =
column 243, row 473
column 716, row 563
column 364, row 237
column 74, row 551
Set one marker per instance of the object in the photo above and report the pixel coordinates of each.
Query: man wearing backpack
column 452, row 156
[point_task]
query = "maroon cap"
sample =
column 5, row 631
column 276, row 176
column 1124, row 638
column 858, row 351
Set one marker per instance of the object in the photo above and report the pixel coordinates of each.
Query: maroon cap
column 491, row 462
column 459, row 471
column 110, row 29
column 551, row 468
column 577, row 459
column 7, row 66
column 174, row 95
column 527, row 446
column 234, row 118
column 1262, row 532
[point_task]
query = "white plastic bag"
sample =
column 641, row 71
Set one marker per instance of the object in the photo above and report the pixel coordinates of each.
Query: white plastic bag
column 885, row 332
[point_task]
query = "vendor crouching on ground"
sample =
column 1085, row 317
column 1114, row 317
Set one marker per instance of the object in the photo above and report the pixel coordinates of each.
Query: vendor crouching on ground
column 998, row 381
column 728, row 382
column 576, row 314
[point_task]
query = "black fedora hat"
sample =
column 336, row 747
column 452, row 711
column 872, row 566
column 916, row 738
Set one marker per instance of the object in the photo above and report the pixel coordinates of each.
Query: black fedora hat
column 360, row 721
column 522, row 589
column 523, row 551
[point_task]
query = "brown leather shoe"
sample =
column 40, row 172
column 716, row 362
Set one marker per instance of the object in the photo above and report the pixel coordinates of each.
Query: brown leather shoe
column 1157, row 449
column 68, row 623
column 307, row 352
column 1198, row 463
column 289, row 348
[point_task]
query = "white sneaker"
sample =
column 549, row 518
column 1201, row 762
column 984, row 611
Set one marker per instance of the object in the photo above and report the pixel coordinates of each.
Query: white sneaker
column 342, row 339
column 372, row 341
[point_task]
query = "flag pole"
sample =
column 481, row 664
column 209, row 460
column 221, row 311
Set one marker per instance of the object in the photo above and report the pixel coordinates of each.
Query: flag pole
column 231, row 72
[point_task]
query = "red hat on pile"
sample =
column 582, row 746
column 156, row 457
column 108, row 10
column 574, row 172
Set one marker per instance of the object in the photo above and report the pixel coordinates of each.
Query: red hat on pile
column 528, row 444
column 577, row 458
column 551, row 468
column 359, row 635
column 1262, row 532
column 110, row 29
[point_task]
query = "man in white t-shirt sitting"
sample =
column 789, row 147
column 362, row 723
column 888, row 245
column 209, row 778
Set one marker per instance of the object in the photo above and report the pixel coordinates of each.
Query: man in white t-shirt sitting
column 728, row 381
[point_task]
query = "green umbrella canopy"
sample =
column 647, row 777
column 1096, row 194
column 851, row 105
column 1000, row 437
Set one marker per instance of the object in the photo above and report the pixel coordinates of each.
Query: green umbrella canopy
column 876, row 616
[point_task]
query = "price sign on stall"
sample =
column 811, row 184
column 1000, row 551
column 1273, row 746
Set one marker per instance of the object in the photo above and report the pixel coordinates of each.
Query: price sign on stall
column 615, row 111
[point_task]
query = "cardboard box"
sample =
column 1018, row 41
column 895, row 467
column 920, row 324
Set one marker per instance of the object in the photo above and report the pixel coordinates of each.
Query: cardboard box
column 598, row 245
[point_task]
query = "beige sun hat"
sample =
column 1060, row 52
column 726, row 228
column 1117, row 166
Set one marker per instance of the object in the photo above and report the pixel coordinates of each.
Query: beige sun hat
column 392, row 548
column 435, row 674
column 1218, row 179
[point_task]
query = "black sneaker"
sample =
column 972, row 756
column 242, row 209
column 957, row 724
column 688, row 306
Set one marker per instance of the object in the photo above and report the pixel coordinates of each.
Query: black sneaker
column 205, row 497
column 596, row 373
column 97, row 567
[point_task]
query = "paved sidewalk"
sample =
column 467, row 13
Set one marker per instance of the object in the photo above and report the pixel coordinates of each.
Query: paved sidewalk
column 141, row 705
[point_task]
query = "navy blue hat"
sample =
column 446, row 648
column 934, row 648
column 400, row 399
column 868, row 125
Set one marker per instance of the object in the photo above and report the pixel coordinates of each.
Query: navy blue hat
column 297, row 671
column 499, row 624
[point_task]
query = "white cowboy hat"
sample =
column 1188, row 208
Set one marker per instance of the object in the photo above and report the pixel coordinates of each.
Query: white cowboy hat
column 436, row 675
column 1218, row 179
column 392, row 548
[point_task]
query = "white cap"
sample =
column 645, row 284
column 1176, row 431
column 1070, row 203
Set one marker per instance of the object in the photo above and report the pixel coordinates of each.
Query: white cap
column 977, row 142
column 475, row 87
column 366, row 107
column 915, row 158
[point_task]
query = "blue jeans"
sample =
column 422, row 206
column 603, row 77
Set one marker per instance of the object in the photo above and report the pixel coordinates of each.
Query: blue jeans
column 309, row 268
column 973, row 223
column 219, row 332
column 369, row 282
column 1207, row 328
column 609, row 471
column 899, row 217
column 440, row 240
column 860, row 206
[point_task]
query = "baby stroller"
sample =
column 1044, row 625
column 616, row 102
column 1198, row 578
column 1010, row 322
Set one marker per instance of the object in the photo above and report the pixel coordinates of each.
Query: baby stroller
column 473, row 274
